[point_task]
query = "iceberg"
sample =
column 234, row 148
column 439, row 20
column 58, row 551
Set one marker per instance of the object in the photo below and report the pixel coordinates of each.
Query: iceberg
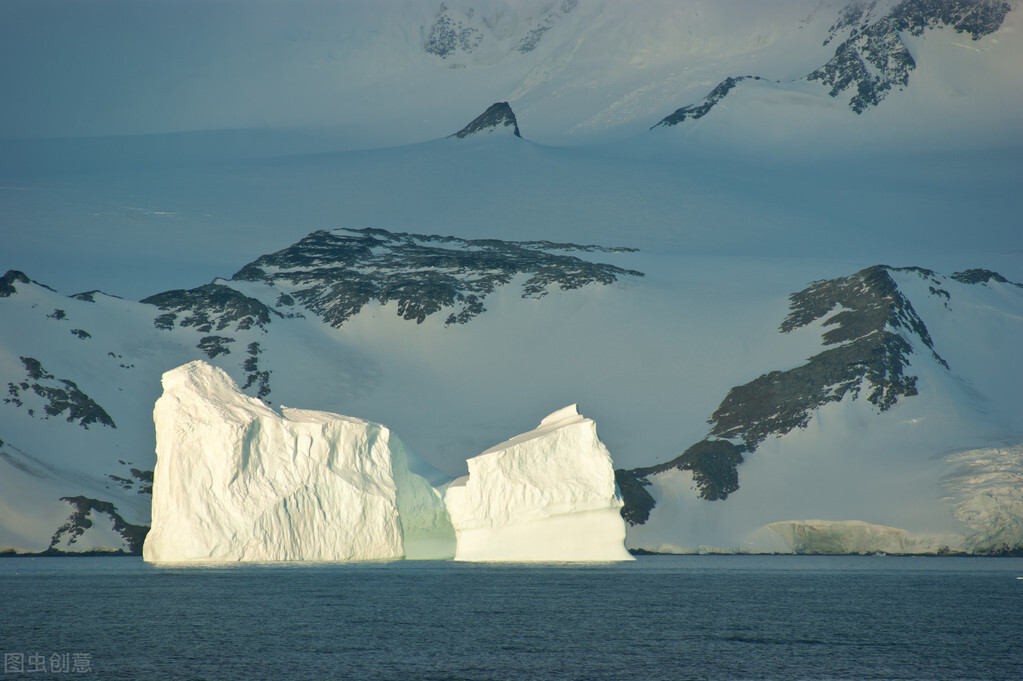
column 236, row 481
column 546, row 495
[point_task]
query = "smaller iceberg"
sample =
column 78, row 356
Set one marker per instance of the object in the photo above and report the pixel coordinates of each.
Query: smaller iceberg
column 545, row 495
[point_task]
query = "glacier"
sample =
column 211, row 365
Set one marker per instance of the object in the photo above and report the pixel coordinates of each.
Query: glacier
column 831, row 537
column 236, row 481
column 545, row 495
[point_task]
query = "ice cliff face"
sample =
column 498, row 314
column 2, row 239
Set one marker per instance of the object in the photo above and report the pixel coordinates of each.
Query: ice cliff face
column 235, row 480
column 844, row 537
column 548, row 494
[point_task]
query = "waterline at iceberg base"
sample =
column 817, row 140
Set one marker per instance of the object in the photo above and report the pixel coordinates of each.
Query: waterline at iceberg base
column 237, row 481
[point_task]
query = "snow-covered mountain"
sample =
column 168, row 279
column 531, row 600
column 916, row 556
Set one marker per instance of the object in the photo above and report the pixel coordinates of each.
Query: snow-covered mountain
column 791, row 313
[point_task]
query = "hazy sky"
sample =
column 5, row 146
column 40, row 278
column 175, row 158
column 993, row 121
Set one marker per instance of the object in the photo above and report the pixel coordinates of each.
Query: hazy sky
column 123, row 67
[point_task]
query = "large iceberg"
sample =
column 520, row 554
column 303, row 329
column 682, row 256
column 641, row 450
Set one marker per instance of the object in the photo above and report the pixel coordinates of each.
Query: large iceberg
column 545, row 495
column 236, row 481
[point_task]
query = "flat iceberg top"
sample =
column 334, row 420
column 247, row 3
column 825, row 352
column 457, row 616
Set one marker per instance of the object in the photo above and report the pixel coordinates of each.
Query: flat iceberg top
column 200, row 384
column 548, row 494
column 566, row 416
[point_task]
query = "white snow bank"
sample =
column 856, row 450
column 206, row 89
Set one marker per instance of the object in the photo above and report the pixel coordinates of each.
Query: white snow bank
column 844, row 537
column 234, row 480
column 545, row 495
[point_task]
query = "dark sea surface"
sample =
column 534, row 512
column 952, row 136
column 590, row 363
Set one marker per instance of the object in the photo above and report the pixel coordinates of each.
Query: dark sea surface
column 670, row 617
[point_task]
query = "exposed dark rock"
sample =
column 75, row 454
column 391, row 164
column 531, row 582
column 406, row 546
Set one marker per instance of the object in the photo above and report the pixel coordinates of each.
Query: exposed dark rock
column 547, row 21
column 979, row 276
column 449, row 35
column 334, row 274
column 253, row 376
column 215, row 345
column 81, row 333
column 79, row 521
column 60, row 395
column 210, row 307
column 870, row 337
column 142, row 476
column 57, row 314
column 8, row 281
column 144, row 479
column 497, row 116
column 873, row 59
column 869, row 351
column 700, row 110
column 713, row 464
column 638, row 501
column 90, row 296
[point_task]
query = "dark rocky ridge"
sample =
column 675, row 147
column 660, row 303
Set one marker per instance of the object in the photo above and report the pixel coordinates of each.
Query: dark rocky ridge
column 980, row 276
column 334, row 274
column 868, row 352
column 873, row 59
column 497, row 116
column 695, row 111
column 210, row 307
column 870, row 341
column 79, row 521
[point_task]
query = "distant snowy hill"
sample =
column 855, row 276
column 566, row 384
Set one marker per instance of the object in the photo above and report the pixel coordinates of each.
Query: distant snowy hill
column 82, row 374
column 771, row 249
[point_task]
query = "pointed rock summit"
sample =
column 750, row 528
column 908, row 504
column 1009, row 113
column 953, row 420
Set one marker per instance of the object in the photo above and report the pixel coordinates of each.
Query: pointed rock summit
column 496, row 118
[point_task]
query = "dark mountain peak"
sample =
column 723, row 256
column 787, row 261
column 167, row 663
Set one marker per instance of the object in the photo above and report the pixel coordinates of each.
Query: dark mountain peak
column 9, row 279
column 498, row 117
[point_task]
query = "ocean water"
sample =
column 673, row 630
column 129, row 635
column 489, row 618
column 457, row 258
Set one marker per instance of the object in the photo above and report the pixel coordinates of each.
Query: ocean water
column 677, row 617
